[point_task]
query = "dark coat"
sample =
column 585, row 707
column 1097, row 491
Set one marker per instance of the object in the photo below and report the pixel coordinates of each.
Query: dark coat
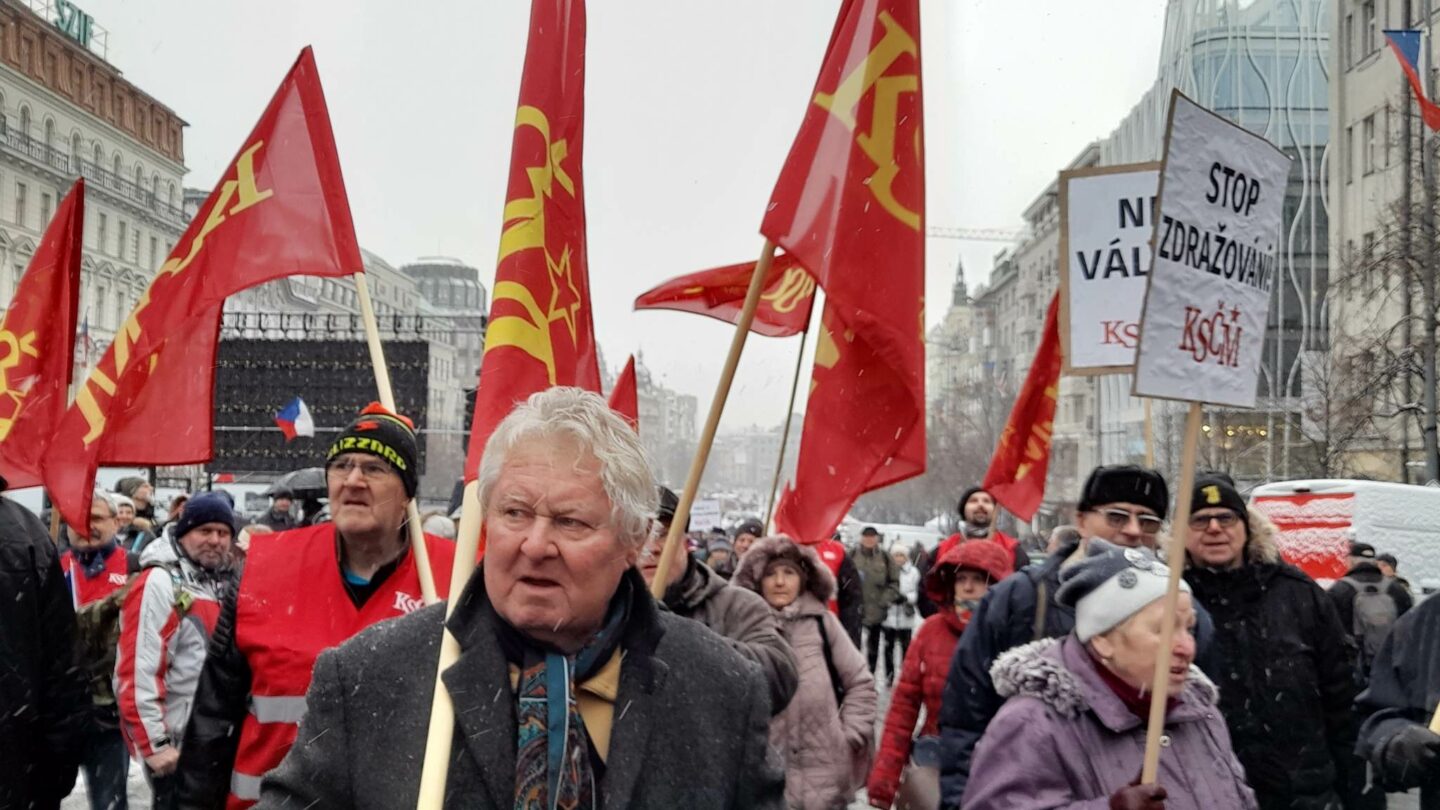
column 1006, row 619
column 1285, row 662
column 741, row 617
column 1403, row 691
column 689, row 730
column 879, row 582
column 44, row 705
column 1342, row 593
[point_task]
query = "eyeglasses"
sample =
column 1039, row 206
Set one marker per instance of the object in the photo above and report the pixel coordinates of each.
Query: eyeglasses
column 1120, row 518
column 369, row 470
column 1226, row 519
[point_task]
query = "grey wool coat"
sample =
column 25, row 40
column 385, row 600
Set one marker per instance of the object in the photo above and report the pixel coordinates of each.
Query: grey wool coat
column 1063, row 739
column 689, row 728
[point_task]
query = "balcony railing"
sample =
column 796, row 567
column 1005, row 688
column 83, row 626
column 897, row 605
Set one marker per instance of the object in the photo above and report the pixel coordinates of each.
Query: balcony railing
column 67, row 164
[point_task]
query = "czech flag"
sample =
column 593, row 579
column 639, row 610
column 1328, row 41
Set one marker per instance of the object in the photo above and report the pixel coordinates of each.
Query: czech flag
column 1406, row 45
column 295, row 420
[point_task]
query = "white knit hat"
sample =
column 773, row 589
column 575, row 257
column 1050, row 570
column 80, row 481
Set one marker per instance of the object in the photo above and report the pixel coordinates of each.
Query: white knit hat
column 1110, row 585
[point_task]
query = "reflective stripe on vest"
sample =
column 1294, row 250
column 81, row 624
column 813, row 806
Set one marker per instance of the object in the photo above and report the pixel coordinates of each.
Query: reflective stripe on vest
column 269, row 709
column 245, row 787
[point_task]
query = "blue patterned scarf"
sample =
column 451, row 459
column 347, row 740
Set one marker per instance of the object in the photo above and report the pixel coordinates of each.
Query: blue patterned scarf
column 553, row 770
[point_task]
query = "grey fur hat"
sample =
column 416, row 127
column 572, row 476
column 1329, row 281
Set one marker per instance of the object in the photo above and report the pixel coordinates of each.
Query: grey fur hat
column 1110, row 585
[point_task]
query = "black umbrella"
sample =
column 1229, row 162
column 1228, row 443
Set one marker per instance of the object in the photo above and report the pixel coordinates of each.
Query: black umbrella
column 305, row 483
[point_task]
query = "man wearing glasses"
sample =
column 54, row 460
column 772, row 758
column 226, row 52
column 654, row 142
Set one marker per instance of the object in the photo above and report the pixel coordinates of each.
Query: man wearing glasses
column 303, row 591
column 1123, row 504
column 1280, row 652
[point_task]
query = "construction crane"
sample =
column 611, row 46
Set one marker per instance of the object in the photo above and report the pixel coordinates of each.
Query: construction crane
column 974, row 234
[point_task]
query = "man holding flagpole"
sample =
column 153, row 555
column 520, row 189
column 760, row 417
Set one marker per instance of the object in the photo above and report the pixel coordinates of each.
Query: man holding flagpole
column 304, row 591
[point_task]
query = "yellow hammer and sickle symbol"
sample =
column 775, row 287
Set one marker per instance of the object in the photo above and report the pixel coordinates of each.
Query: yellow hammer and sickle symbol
column 13, row 349
column 525, row 230
column 796, row 286
column 879, row 143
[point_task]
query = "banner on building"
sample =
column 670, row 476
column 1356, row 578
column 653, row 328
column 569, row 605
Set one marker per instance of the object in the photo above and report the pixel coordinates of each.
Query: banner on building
column 1106, row 219
column 1217, row 244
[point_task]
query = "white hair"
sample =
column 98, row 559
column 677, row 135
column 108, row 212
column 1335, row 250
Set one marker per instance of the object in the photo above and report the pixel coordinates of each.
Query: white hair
column 106, row 498
column 625, row 470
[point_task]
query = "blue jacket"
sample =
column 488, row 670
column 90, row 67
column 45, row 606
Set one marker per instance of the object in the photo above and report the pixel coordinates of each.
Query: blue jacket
column 1005, row 619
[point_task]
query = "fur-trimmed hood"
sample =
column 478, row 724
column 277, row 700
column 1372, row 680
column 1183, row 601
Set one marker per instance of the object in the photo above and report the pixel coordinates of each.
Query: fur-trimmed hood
column 1060, row 673
column 1260, row 544
column 819, row 582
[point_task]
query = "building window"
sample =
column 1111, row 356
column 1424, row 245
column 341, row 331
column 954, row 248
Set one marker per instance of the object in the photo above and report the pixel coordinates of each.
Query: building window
column 1349, row 154
column 102, row 301
column 102, row 227
column 154, row 249
column 1367, row 269
column 1372, row 33
column 1369, row 145
column 44, row 209
column 20, row 193
column 120, row 310
column 135, row 246
column 25, row 121
column 75, row 153
column 115, row 167
column 124, row 238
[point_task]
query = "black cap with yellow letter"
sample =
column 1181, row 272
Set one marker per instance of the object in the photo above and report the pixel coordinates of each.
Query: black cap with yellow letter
column 1216, row 491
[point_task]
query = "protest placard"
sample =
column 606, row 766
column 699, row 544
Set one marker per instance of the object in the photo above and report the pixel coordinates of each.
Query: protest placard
column 704, row 515
column 1106, row 218
column 1217, row 241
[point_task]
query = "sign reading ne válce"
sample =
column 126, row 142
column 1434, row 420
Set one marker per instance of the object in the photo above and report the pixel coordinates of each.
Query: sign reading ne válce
column 1106, row 216
column 1217, row 244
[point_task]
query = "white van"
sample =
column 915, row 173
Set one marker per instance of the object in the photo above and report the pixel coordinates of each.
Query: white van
column 1318, row 519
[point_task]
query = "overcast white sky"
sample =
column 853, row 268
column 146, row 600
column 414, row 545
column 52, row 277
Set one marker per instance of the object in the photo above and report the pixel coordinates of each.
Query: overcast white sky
column 691, row 109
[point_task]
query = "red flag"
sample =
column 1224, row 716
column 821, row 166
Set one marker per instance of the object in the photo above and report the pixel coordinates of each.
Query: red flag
column 624, row 398
column 280, row 209
column 37, row 354
column 541, row 331
column 849, row 206
column 720, row 293
column 1016, row 478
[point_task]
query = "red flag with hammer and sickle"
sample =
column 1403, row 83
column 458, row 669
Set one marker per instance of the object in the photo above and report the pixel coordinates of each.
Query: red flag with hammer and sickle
column 279, row 209
column 850, row 206
column 1016, row 478
column 37, row 340
column 541, row 332
column 785, row 303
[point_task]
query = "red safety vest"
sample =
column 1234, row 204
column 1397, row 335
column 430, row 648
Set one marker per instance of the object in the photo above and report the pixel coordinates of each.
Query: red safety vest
column 89, row 589
column 292, row 605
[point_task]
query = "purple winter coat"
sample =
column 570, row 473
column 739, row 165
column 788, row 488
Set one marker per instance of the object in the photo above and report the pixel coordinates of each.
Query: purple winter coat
column 1064, row 740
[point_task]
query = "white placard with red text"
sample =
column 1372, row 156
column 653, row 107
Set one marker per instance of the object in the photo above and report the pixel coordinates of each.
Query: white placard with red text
column 1106, row 222
column 1217, row 247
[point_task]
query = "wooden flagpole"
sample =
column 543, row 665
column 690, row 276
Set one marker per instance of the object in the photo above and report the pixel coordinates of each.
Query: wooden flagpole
column 1149, row 436
column 789, row 413
column 1160, row 684
column 387, row 398
column 435, row 768
column 712, row 422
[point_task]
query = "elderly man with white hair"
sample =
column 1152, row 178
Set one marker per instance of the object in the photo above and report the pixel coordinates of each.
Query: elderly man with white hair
column 572, row 689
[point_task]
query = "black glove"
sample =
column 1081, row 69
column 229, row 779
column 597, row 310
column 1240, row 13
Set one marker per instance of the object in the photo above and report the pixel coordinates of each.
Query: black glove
column 1411, row 758
column 1138, row 797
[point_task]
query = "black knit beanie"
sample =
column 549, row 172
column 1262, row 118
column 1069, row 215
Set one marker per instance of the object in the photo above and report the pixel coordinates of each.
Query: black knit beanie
column 385, row 435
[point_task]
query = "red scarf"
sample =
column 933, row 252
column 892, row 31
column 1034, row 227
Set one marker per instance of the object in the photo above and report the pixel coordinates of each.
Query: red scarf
column 1135, row 700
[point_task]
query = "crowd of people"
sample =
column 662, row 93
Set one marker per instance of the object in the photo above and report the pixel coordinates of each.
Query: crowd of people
column 292, row 663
